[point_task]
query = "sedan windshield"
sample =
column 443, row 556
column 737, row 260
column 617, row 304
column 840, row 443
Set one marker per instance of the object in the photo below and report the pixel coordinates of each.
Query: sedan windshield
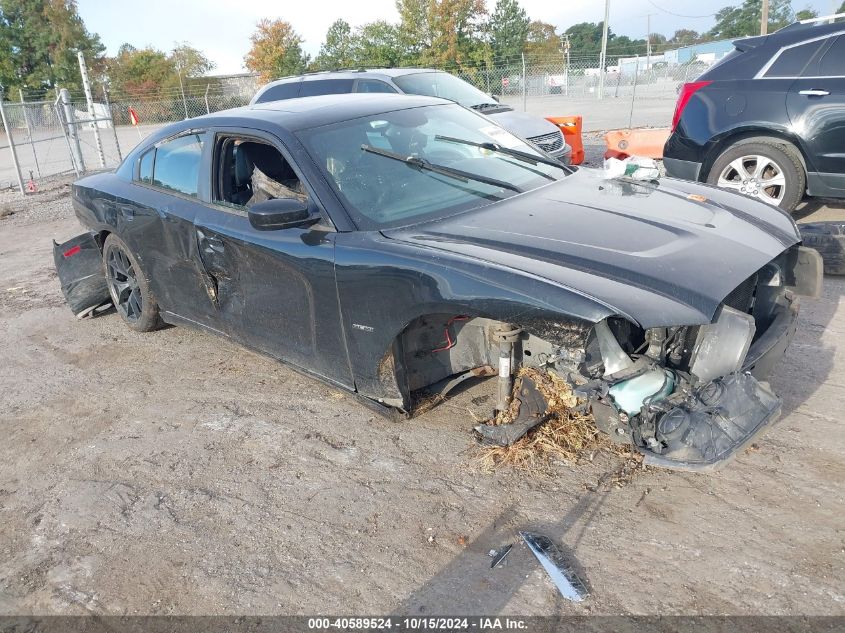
column 443, row 85
column 405, row 166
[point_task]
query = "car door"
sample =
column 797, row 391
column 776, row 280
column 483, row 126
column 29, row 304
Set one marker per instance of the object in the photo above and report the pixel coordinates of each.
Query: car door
column 273, row 291
column 816, row 105
column 157, row 220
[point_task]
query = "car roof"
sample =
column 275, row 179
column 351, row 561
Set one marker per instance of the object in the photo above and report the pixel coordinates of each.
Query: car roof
column 306, row 112
column 350, row 73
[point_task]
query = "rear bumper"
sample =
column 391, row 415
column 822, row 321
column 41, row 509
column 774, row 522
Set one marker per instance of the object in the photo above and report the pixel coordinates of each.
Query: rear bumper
column 683, row 169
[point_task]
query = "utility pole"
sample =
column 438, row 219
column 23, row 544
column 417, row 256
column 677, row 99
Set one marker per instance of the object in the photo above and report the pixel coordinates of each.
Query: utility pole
column 603, row 56
column 764, row 18
column 86, row 86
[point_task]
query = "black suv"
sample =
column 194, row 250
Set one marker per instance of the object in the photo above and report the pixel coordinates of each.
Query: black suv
column 769, row 119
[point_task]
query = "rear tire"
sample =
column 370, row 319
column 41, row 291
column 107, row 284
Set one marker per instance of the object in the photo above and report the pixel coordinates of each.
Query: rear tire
column 128, row 287
column 828, row 238
column 763, row 169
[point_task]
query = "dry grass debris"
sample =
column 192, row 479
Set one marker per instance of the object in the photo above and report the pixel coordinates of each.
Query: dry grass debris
column 568, row 435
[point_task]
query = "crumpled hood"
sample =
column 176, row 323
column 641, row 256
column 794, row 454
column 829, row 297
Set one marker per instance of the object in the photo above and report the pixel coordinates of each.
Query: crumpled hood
column 522, row 124
column 660, row 254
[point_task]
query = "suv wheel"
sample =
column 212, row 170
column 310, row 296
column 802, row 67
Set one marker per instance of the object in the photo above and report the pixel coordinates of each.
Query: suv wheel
column 765, row 170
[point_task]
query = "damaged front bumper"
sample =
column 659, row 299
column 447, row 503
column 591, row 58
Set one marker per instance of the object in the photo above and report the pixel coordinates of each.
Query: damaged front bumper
column 706, row 422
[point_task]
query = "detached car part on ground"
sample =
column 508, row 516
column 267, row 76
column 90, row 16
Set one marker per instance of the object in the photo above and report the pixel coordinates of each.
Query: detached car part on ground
column 424, row 248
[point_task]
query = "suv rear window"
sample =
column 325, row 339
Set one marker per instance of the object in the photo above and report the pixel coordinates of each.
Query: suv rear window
column 791, row 62
column 318, row 87
column 280, row 92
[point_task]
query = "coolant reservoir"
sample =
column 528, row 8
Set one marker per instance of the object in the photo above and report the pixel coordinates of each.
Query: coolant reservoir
column 630, row 394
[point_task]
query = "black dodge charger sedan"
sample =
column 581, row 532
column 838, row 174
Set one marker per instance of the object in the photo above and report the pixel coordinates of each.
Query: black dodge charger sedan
column 768, row 121
column 388, row 244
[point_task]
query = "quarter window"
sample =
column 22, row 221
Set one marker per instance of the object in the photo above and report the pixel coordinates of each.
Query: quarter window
column 177, row 164
column 145, row 169
column 792, row 61
column 280, row 92
column 373, row 85
column 833, row 62
column 325, row 87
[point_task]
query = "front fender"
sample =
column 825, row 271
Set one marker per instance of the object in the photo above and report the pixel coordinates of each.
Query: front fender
column 384, row 285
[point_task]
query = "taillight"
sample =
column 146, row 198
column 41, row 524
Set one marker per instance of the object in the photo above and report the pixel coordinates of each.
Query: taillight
column 687, row 91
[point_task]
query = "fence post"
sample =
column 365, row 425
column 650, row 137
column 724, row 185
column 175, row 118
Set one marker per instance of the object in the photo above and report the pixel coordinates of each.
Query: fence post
column 111, row 119
column 86, row 86
column 11, row 141
column 72, row 132
column 29, row 133
column 207, row 109
column 634, row 91
column 524, row 84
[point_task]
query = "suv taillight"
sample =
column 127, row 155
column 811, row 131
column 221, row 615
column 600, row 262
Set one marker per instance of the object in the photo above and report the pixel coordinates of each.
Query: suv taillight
column 687, row 91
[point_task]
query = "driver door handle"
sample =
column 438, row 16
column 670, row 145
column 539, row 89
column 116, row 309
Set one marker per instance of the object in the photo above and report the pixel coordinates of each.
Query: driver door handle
column 814, row 93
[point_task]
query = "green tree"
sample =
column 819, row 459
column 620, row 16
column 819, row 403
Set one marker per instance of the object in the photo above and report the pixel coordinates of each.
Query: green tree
column 585, row 37
column 543, row 41
column 806, row 14
column 148, row 71
column 685, row 37
column 337, row 51
column 442, row 32
column 841, row 8
column 508, row 29
column 39, row 40
column 744, row 20
column 378, row 43
column 276, row 50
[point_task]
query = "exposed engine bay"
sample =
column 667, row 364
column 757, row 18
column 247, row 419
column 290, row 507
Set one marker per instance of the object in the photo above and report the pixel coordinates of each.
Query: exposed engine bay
column 686, row 396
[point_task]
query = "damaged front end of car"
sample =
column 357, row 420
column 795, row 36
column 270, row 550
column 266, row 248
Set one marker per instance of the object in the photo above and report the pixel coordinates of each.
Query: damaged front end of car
column 686, row 396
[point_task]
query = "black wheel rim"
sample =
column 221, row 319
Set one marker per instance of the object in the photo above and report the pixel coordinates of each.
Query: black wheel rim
column 123, row 285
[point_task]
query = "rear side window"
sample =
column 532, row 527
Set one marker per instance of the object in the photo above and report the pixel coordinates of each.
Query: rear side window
column 280, row 92
column 373, row 85
column 177, row 164
column 792, row 61
column 325, row 87
column 833, row 62
column 145, row 170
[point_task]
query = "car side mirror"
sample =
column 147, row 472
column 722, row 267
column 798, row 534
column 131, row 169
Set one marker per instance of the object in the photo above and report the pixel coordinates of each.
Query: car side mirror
column 281, row 213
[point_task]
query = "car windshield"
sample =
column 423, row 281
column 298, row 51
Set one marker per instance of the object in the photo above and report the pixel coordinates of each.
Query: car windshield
column 380, row 191
column 443, row 85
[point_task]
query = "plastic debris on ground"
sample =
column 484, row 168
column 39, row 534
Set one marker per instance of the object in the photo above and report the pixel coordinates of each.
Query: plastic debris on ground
column 568, row 582
column 633, row 167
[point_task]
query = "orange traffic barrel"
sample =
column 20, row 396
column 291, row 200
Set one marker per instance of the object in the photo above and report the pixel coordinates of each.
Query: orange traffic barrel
column 571, row 128
column 647, row 142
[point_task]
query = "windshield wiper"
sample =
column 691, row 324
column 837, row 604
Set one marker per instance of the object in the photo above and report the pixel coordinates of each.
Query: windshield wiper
column 495, row 147
column 457, row 174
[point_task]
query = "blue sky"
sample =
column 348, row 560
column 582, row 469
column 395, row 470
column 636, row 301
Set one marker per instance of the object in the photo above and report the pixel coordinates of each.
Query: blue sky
column 221, row 28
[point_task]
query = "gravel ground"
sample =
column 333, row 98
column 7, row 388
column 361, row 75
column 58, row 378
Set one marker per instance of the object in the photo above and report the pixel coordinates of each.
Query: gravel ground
column 174, row 473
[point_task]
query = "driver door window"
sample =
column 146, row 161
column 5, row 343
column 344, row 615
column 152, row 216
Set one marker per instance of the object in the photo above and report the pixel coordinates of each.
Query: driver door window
column 248, row 171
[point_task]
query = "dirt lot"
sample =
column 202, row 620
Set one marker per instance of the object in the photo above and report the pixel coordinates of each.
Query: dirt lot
column 175, row 473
